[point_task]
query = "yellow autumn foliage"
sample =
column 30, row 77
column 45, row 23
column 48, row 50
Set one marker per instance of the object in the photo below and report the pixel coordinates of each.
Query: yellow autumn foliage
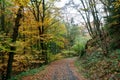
column 21, row 2
column 117, row 5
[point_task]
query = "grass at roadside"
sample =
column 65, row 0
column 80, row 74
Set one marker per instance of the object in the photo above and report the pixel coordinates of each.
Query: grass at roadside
column 28, row 72
column 79, row 66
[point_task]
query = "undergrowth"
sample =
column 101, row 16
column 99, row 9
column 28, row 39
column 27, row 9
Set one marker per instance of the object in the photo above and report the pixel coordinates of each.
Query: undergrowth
column 28, row 72
column 98, row 67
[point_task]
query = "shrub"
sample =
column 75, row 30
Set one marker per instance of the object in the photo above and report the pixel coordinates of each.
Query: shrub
column 53, row 57
column 79, row 46
column 79, row 49
column 69, row 53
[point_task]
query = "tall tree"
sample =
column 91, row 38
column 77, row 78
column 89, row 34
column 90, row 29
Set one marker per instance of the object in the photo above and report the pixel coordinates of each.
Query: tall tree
column 41, row 11
column 90, row 10
column 113, row 22
column 112, row 9
column 19, row 15
column 14, row 38
column 39, row 15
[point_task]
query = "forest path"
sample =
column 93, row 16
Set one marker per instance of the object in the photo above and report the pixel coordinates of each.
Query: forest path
column 58, row 70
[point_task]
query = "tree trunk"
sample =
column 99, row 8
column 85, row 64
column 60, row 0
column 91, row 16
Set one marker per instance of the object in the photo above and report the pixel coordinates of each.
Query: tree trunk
column 41, row 32
column 2, row 15
column 14, row 37
column 2, row 29
column 44, row 51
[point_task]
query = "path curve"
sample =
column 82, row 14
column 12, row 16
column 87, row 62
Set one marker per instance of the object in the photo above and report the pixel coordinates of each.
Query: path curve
column 59, row 70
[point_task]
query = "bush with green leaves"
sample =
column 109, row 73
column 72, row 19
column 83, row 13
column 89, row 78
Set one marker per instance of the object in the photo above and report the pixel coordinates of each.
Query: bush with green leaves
column 79, row 46
column 69, row 53
column 53, row 57
column 79, row 49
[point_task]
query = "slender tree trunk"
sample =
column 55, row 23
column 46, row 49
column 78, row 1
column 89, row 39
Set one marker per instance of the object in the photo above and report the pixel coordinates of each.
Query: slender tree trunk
column 41, row 32
column 24, row 41
column 14, row 38
column 3, row 15
column 3, row 60
column 24, row 36
column 3, row 30
column 43, row 46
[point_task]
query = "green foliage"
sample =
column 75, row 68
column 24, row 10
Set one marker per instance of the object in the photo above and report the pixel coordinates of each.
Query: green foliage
column 79, row 46
column 5, row 42
column 58, row 56
column 54, row 47
column 73, row 31
column 113, row 23
column 50, row 57
column 69, row 53
column 28, row 72
column 53, row 57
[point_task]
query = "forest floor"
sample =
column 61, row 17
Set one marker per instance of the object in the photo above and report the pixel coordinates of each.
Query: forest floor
column 58, row 70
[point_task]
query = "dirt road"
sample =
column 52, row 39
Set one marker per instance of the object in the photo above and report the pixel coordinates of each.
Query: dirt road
column 59, row 70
